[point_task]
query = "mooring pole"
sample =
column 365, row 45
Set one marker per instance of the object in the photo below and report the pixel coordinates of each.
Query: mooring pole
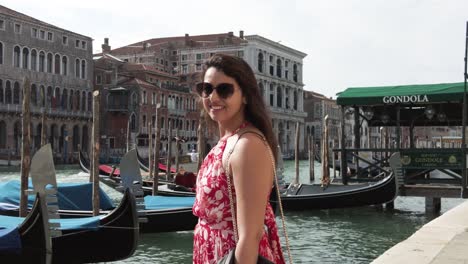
column 26, row 142
column 465, row 76
column 296, row 154
column 156, row 152
column 95, row 151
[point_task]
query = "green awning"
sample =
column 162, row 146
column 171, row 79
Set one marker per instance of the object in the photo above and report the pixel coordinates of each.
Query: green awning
column 402, row 94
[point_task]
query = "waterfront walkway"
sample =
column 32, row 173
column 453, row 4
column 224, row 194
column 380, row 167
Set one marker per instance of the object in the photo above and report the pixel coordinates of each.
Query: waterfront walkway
column 444, row 240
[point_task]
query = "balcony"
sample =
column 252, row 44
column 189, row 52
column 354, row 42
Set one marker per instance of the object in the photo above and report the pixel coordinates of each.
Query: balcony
column 117, row 108
column 176, row 112
column 52, row 112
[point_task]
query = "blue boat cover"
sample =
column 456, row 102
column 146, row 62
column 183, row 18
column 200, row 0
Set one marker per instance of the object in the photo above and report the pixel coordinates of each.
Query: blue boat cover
column 167, row 202
column 10, row 240
column 71, row 196
column 65, row 224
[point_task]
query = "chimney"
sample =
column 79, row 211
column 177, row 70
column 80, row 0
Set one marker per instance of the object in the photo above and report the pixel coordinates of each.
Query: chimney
column 105, row 47
column 187, row 40
column 230, row 34
column 241, row 34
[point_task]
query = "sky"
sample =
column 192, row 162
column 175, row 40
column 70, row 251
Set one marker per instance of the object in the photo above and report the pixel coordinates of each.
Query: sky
column 349, row 43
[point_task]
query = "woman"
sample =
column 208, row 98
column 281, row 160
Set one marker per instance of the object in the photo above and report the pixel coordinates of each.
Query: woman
column 232, row 100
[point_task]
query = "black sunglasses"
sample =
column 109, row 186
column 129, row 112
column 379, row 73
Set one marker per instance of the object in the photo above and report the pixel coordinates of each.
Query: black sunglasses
column 224, row 90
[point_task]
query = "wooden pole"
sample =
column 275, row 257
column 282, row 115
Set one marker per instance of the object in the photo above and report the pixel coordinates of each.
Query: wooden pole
column 177, row 150
column 95, row 151
column 156, row 153
column 169, row 150
column 333, row 160
column 150, row 147
column 311, row 158
column 128, row 134
column 26, row 142
column 43, row 128
column 296, row 154
column 201, row 141
column 325, row 169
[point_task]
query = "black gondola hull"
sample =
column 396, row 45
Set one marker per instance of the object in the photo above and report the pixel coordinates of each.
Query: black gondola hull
column 380, row 192
column 33, row 239
column 115, row 239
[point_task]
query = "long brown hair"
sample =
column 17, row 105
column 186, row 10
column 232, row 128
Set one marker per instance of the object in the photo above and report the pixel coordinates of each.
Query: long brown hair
column 255, row 110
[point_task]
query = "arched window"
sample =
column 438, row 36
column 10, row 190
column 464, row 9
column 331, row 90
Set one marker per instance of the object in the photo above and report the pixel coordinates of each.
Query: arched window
column 76, row 137
column 133, row 122
column 279, row 97
column 77, row 68
column 83, row 69
column 8, row 92
column 57, row 64
column 71, row 105
column 42, row 95
column 1, row 53
column 49, row 96
column 260, row 62
column 1, row 91
column 134, row 100
column 57, row 97
column 260, row 87
column 83, row 101
column 278, row 68
column 295, row 72
column 16, row 93
column 295, row 100
column 90, row 102
column 49, row 62
column 33, row 95
column 25, row 58
column 34, row 60
column 77, row 105
column 64, row 65
column 16, row 56
column 64, row 99
column 272, row 95
column 3, row 135
column 41, row 61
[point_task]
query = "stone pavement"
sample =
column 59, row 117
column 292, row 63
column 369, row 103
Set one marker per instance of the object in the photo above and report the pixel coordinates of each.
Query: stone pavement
column 444, row 240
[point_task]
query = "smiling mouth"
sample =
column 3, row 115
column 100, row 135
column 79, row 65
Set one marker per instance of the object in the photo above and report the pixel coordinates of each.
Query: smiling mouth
column 216, row 107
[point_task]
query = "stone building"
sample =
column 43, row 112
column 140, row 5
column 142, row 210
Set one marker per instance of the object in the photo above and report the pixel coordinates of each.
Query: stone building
column 278, row 69
column 59, row 65
column 317, row 107
column 130, row 93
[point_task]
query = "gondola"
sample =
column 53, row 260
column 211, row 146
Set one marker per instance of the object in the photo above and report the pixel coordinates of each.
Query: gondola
column 23, row 240
column 86, row 239
column 144, row 164
column 165, row 188
column 104, row 170
column 82, row 239
column 164, row 214
column 114, row 237
column 314, row 196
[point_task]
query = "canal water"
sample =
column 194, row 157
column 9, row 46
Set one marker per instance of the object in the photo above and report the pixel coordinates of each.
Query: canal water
column 356, row 235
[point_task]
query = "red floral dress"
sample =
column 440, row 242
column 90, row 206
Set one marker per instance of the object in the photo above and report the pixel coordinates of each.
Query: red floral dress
column 213, row 235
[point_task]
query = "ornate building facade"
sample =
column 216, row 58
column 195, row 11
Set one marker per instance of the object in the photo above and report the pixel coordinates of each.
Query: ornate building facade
column 130, row 93
column 59, row 65
column 278, row 69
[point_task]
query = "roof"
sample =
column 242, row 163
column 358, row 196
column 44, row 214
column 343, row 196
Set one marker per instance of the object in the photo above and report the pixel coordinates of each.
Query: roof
column 130, row 67
column 178, row 42
column 10, row 12
column 402, row 94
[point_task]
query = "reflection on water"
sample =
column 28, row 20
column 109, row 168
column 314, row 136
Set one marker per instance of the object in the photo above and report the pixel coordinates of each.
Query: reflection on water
column 356, row 235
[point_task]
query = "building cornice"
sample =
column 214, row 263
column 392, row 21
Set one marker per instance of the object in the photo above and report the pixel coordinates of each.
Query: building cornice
column 260, row 39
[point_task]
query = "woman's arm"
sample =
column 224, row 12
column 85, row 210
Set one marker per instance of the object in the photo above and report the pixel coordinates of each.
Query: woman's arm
column 253, row 176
